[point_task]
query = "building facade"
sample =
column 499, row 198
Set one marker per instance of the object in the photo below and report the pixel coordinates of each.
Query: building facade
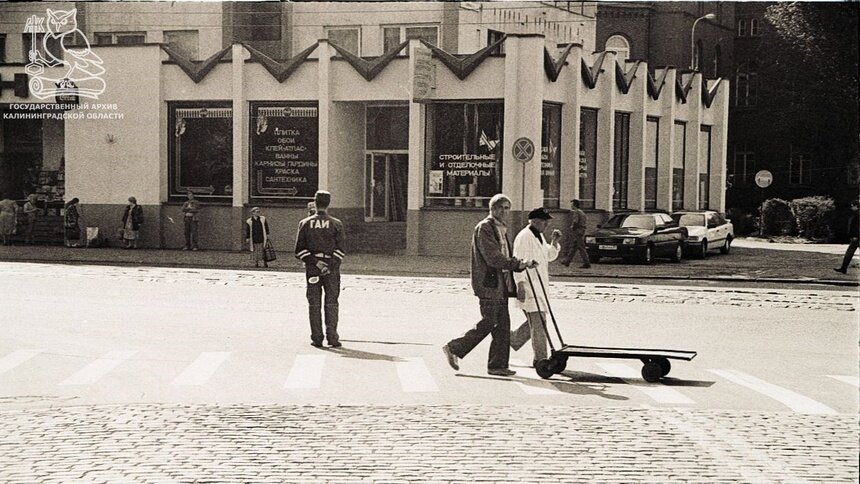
column 411, row 143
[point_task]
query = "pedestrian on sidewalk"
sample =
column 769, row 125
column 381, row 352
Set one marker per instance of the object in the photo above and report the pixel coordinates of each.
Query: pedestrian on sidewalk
column 132, row 218
column 190, row 212
column 319, row 244
column 492, row 265
column 257, row 236
column 530, row 244
column 576, row 239
column 32, row 212
column 8, row 220
column 853, row 237
column 72, row 223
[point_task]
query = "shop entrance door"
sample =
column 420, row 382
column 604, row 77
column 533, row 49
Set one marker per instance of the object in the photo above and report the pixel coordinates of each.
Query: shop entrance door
column 385, row 182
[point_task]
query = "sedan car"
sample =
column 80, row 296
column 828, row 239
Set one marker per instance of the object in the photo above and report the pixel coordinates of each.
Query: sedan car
column 706, row 230
column 640, row 236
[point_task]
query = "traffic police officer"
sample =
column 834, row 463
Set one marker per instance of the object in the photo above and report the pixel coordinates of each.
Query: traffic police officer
column 319, row 244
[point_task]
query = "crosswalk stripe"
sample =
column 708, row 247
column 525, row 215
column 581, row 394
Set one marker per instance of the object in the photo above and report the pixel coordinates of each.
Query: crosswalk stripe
column 201, row 369
column 790, row 399
column 415, row 377
column 851, row 380
column 539, row 387
column 658, row 393
column 16, row 358
column 98, row 368
column 306, row 372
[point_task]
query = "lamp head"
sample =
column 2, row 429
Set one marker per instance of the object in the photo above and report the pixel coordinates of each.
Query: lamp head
column 710, row 16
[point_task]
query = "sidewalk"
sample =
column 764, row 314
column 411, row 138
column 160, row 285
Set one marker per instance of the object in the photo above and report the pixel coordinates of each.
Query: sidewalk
column 749, row 261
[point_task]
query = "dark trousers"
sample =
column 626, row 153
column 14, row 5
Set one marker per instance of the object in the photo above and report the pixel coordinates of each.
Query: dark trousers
column 495, row 321
column 849, row 253
column 575, row 245
column 329, row 283
column 191, row 227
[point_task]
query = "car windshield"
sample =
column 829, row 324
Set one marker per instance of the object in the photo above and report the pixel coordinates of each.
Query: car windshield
column 631, row 221
column 690, row 219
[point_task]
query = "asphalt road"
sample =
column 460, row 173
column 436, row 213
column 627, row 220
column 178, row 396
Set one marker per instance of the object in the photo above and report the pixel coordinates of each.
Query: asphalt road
column 81, row 343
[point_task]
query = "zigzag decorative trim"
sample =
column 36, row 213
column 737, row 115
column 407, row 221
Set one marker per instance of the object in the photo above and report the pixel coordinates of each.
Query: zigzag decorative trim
column 369, row 69
column 625, row 79
column 656, row 86
column 681, row 90
column 463, row 67
column 590, row 74
column 708, row 95
column 196, row 70
column 280, row 70
column 553, row 67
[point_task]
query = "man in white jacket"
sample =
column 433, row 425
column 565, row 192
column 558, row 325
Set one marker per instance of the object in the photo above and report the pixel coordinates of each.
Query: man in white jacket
column 530, row 244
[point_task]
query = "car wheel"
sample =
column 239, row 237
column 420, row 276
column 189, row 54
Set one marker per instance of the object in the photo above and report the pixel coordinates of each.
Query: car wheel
column 679, row 252
column 703, row 249
column 727, row 246
column 648, row 256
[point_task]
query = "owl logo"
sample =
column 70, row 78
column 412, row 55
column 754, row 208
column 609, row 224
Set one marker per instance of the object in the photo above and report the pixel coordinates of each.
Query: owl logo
column 262, row 124
column 62, row 57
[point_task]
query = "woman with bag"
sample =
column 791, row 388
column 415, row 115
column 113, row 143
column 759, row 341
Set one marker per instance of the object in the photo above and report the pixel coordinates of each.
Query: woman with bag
column 132, row 218
column 72, row 223
column 8, row 220
column 257, row 236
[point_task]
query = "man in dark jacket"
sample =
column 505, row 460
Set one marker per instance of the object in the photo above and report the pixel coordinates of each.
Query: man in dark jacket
column 853, row 237
column 493, row 283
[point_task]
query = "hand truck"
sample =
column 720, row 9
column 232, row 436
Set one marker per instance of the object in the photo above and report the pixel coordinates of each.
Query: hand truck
column 655, row 363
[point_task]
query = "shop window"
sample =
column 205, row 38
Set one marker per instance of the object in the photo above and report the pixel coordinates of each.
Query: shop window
column 678, row 162
column 464, row 153
column 348, row 39
column 387, row 128
column 182, row 41
column 742, row 28
column 201, row 149
column 621, row 161
column 550, row 167
column 743, row 164
column 257, row 20
column 652, row 147
column 704, row 167
column 120, row 38
column 587, row 157
column 798, row 164
column 392, row 36
column 620, row 45
column 37, row 44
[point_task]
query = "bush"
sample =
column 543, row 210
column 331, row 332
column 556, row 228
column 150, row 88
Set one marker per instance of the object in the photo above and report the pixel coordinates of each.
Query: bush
column 814, row 217
column 777, row 217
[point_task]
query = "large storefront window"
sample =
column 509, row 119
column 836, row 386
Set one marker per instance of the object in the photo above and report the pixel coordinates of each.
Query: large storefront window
column 550, row 166
column 621, row 161
column 284, row 150
column 678, row 165
column 464, row 153
column 587, row 157
column 704, row 167
column 387, row 128
column 652, row 152
column 201, row 149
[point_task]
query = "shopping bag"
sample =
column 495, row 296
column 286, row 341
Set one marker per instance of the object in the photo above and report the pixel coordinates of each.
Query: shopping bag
column 269, row 252
column 92, row 236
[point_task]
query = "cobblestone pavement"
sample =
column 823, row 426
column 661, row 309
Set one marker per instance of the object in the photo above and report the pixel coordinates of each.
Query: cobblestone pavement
column 597, row 292
column 449, row 443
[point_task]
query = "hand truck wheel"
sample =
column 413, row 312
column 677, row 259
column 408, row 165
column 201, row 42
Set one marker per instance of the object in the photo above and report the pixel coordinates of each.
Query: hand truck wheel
column 544, row 368
column 652, row 371
column 665, row 365
column 558, row 363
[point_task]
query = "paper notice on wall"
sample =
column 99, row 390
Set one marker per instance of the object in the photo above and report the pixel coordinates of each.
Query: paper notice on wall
column 435, row 182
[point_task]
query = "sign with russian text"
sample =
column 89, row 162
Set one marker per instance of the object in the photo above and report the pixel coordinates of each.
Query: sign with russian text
column 284, row 150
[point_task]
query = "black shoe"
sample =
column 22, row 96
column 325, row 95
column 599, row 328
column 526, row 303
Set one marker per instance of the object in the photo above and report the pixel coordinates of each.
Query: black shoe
column 501, row 372
column 336, row 344
column 843, row 271
column 316, row 345
column 452, row 358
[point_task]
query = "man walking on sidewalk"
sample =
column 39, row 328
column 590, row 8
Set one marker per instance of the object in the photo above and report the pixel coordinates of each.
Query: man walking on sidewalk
column 576, row 240
column 853, row 237
column 492, row 265
column 319, row 244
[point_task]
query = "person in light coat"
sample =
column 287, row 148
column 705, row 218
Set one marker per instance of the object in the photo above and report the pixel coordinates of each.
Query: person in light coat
column 530, row 244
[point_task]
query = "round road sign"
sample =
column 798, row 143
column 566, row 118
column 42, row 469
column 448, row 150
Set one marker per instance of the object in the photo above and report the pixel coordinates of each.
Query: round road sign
column 524, row 150
column 763, row 178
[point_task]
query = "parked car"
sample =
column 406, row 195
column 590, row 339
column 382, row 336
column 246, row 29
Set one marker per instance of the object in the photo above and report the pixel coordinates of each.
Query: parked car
column 640, row 236
column 706, row 230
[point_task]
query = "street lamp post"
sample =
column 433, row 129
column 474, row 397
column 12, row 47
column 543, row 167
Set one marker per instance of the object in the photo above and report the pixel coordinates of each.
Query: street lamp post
column 710, row 16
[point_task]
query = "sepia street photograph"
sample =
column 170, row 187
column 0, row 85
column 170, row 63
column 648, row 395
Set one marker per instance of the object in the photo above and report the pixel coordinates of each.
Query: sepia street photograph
column 450, row 242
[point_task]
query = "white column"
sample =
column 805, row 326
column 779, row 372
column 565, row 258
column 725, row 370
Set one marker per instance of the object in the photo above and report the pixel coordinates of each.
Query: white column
column 638, row 124
column 240, row 128
column 570, row 127
column 719, row 148
column 666, row 141
column 324, row 97
column 694, row 127
column 605, row 135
